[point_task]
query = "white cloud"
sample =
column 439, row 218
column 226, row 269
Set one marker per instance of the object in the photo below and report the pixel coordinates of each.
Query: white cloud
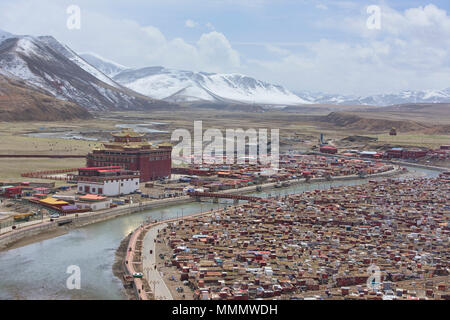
column 190, row 23
column 321, row 6
column 121, row 40
column 411, row 51
column 276, row 50
column 214, row 48
column 210, row 26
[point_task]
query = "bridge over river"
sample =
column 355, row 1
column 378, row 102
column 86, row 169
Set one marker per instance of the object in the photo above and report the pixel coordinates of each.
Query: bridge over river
column 234, row 197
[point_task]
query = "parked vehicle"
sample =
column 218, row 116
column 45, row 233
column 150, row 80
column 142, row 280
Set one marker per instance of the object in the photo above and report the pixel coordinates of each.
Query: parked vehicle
column 23, row 217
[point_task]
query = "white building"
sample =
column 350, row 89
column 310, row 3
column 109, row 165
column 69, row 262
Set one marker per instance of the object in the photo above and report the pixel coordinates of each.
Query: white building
column 107, row 181
column 93, row 202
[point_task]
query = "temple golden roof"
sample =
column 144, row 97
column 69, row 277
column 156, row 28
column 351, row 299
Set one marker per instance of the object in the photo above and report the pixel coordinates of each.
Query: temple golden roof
column 165, row 144
column 127, row 145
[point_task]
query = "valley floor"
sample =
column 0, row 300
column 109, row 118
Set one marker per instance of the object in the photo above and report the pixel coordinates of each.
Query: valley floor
column 298, row 131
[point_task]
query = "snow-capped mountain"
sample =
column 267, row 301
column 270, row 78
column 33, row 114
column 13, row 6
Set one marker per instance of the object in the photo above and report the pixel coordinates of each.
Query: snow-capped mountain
column 382, row 100
column 99, row 84
column 108, row 67
column 188, row 86
column 5, row 35
column 45, row 63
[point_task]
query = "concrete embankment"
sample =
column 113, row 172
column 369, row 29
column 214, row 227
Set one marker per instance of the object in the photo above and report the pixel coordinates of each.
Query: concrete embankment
column 74, row 221
column 420, row 166
column 9, row 239
column 27, row 232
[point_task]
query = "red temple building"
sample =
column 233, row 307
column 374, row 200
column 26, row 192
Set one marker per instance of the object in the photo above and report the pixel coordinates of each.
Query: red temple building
column 131, row 151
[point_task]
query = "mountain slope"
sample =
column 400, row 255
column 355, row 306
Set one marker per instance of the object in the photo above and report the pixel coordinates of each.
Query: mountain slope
column 5, row 35
column 107, row 67
column 45, row 63
column 187, row 86
column 21, row 102
column 182, row 86
column 359, row 122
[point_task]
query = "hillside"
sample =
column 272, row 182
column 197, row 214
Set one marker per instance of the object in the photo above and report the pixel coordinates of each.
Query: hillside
column 21, row 102
column 357, row 122
column 182, row 86
column 45, row 63
column 442, row 109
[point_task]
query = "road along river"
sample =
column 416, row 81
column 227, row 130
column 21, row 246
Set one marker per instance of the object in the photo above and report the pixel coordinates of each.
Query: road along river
column 38, row 270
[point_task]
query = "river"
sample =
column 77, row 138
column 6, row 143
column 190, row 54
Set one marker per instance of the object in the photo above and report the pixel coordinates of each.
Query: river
column 38, row 270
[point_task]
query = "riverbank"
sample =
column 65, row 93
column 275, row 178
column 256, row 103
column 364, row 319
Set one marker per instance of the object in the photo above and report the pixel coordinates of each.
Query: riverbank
column 119, row 269
column 28, row 235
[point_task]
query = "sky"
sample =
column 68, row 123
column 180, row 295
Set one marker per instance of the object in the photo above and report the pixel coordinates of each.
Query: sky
column 329, row 46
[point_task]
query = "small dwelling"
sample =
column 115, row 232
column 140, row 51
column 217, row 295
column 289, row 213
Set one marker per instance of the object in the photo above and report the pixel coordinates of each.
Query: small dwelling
column 93, row 202
column 328, row 149
column 107, row 181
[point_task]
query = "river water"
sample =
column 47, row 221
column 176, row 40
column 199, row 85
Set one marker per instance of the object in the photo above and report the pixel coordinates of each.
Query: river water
column 38, row 270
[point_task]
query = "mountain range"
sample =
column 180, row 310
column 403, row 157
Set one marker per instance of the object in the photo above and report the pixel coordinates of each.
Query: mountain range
column 187, row 86
column 182, row 86
column 44, row 65
column 381, row 100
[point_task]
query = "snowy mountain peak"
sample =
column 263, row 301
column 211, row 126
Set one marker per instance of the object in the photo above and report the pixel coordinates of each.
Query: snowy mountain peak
column 5, row 35
column 382, row 100
column 188, row 86
column 45, row 63
column 27, row 46
column 108, row 67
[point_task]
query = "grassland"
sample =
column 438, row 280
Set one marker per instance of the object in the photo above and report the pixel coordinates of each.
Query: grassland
column 297, row 132
column 13, row 142
column 413, row 139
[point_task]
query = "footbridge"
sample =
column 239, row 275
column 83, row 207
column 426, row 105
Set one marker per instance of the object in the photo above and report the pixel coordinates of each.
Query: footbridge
column 217, row 196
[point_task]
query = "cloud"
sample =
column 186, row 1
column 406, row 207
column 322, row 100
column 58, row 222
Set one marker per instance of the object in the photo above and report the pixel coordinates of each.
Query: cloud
column 214, row 47
column 190, row 23
column 121, row 40
column 321, row 6
column 411, row 51
column 276, row 50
